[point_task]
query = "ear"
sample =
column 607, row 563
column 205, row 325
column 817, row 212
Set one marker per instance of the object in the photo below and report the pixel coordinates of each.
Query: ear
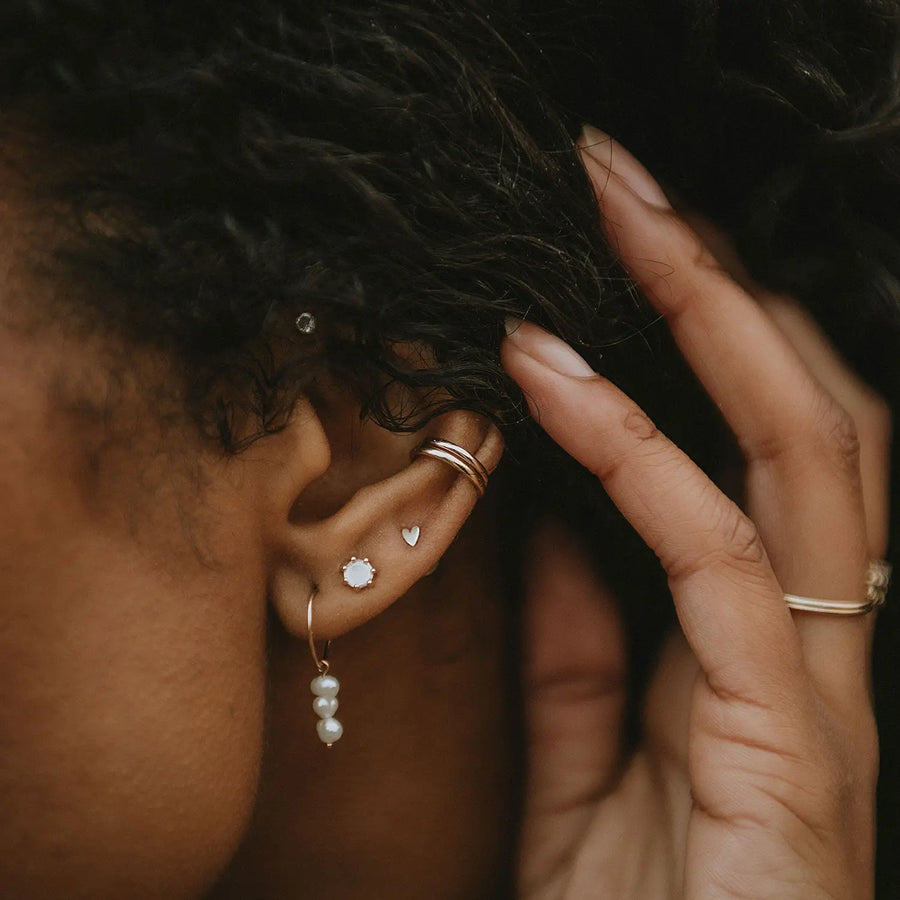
column 377, row 502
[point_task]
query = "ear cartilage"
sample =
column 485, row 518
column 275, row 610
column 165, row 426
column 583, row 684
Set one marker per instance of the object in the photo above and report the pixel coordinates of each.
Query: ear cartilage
column 358, row 573
column 324, row 686
column 411, row 535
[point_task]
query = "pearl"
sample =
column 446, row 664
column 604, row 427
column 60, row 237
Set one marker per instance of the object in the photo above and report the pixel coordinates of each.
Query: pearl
column 325, row 686
column 325, row 707
column 330, row 730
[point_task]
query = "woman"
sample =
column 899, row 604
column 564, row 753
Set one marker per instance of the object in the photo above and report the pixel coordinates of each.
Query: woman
column 253, row 258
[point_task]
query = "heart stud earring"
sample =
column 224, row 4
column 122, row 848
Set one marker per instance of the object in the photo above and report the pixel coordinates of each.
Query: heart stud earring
column 325, row 687
column 411, row 535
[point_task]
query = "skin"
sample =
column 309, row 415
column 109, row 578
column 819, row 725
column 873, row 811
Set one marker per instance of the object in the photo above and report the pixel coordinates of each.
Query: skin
column 153, row 607
column 132, row 581
column 419, row 796
column 132, row 606
column 757, row 774
column 136, row 590
column 133, row 728
column 158, row 741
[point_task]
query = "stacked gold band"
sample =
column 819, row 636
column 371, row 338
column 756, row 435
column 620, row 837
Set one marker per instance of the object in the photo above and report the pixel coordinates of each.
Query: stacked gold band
column 458, row 458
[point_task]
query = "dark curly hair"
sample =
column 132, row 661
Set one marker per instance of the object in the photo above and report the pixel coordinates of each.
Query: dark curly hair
column 377, row 166
column 779, row 119
column 209, row 170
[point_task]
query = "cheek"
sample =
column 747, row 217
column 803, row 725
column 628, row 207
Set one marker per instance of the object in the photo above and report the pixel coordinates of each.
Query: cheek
column 131, row 712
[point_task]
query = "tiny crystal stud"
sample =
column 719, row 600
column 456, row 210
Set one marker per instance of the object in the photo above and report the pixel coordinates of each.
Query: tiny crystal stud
column 358, row 573
column 306, row 323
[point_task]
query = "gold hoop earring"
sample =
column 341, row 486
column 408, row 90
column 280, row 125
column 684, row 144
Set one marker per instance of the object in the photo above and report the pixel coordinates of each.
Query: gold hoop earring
column 325, row 686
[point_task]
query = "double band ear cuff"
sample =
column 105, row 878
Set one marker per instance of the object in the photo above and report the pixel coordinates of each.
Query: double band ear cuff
column 325, row 687
column 457, row 458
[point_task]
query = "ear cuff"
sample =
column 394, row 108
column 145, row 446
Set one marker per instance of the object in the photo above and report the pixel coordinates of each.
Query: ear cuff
column 457, row 458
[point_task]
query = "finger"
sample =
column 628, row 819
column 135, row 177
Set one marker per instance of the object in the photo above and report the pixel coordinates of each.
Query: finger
column 574, row 684
column 801, row 447
column 872, row 419
column 869, row 411
column 728, row 600
column 667, row 705
column 771, row 401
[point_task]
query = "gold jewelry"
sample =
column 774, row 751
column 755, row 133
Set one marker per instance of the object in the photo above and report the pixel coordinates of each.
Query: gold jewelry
column 878, row 576
column 325, row 687
column 458, row 458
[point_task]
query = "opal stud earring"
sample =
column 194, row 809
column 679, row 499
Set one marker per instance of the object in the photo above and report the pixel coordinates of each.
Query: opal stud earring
column 325, row 687
column 358, row 573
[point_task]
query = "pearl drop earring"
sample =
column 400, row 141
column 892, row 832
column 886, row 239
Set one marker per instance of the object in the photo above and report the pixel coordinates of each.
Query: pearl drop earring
column 325, row 687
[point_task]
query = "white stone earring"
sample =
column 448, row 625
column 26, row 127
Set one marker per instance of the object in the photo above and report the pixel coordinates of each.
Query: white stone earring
column 358, row 573
column 325, row 687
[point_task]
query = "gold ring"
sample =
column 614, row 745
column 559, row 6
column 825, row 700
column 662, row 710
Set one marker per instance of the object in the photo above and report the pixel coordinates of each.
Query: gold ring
column 878, row 577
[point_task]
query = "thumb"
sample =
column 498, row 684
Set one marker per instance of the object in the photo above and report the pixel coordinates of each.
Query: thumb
column 574, row 691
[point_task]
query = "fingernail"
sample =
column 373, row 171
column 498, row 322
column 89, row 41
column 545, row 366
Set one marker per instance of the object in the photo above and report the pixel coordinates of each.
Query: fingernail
column 596, row 142
column 610, row 154
column 547, row 349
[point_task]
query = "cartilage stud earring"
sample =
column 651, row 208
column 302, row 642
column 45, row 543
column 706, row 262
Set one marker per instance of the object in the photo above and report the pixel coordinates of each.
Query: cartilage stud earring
column 305, row 323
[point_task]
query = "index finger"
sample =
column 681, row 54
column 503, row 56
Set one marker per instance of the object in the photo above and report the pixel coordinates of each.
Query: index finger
column 728, row 600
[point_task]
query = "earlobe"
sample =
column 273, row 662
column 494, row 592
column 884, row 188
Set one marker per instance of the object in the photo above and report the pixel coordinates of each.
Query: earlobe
column 388, row 535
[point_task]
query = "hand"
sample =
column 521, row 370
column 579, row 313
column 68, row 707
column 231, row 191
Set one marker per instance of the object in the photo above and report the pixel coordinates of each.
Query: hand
column 757, row 772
